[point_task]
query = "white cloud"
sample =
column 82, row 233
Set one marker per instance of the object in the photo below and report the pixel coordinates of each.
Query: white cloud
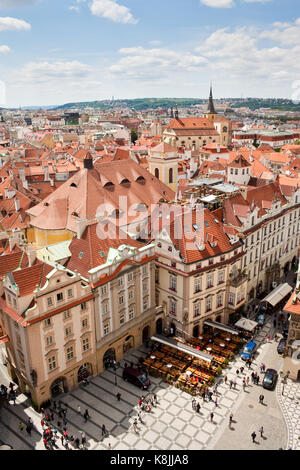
column 257, row 1
column 112, row 10
column 218, row 3
column 284, row 33
column 16, row 3
column 4, row 49
column 13, row 24
column 74, row 8
column 46, row 71
column 141, row 63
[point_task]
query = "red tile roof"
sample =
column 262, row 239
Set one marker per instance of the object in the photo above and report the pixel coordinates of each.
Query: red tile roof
column 29, row 279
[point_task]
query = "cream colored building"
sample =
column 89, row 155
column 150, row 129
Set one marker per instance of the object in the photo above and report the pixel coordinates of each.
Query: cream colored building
column 291, row 365
column 163, row 164
column 199, row 275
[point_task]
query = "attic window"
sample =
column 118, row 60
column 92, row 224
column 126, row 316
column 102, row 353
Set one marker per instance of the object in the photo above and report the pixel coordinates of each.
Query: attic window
column 101, row 253
column 46, row 204
column 73, row 185
column 109, row 184
column 125, row 181
column 196, row 226
column 216, row 220
column 206, row 224
column 81, row 255
column 75, row 214
column 140, row 179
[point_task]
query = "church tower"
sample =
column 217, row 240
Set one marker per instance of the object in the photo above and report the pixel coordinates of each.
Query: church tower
column 211, row 113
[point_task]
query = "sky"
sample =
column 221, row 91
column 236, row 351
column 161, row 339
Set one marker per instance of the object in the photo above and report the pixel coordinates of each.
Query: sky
column 58, row 51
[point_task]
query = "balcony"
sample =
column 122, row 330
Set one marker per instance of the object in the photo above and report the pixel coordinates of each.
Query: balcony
column 238, row 279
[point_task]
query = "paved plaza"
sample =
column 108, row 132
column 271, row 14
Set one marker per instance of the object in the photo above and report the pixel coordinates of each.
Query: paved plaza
column 172, row 424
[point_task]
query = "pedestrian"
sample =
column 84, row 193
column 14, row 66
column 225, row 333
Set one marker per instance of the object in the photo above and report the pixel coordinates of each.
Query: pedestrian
column 216, row 389
column 268, row 338
column 119, row 396
column 216, row 401
column 264, row 367
column 193, row 404
column 249, row 363
column 62, row 440
column 54, row 404
column 237, row 371
column 261, row 431
column 42, row 422
column 234, row 384
column 77, row 442
column 242, row 369
column 78, row 409
column 257, row 379
column 135, row 426
column 230, row 383
column 21, row 426
column 65, row 422
column 86, row 415
column 211, row 417
column 103, row 430
column 210, row 396
column 140, row 416
column 244, row 386
column 83, row 439
column 109, row 446
column 198, row 407
column 230, row 419
column 155, row 397
column 28, row 429
column 225, row 379
column 247, row 381
column 253, row 435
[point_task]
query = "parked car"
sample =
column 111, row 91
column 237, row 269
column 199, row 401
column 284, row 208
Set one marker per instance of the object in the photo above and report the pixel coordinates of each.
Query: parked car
column 270, row 379
column 281, row 345
column 136, row 377
column 248, row 351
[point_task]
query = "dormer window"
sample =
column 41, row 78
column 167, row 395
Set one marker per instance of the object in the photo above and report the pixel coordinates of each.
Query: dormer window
column 73, row 185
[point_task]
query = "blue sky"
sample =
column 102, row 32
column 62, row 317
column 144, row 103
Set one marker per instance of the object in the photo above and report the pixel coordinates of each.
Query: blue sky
column 56, row 51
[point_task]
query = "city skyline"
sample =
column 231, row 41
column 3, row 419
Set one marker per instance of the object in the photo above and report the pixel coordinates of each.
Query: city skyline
column 58, row 52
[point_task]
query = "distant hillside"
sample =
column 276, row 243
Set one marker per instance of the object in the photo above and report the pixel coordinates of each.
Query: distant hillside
column 274, row 104
column 138, row 104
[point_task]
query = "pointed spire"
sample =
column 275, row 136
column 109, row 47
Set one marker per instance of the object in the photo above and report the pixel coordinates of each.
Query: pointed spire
column 211, row 107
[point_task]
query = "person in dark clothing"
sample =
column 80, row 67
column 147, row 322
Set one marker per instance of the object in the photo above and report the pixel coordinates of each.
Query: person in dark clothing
column 198, row 407
column 119, row 396
column 103, row 430
column 253, row 435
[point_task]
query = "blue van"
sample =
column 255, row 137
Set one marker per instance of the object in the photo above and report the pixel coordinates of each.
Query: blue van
column 248, row 351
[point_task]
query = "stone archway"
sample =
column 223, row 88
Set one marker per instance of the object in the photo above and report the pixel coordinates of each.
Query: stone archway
column 146, row 334
column 58, row 386
column 159, row 326
column 84, row 371
column 128, row 343
column 196, row 331
column 108, row 357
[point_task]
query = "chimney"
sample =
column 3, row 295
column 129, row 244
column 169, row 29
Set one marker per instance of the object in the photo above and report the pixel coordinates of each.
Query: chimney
column 25, row 183
column 218, row 148
column 22, row 173
column 46, row 173
column 80, row 227
column 17, row 204
column 31, row 257
column 51, row 182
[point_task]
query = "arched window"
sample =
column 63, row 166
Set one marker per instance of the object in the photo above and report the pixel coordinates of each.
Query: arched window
column 171, row 175
column 156, row 173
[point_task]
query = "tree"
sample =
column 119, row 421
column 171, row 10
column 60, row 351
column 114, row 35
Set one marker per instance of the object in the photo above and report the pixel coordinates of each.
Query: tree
column 134, row 136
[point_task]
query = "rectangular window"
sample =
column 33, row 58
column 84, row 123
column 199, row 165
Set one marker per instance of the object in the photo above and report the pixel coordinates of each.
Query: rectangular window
column 130, row 277
column 221, row 277
column 172, row 307
column 47, row 322
column 145, row 286
column 105, row 308
column 67, row 314
column 130, row 295
column 103, row 290
column 70, row 353
column 145, row 304
column 68, row 331
column 122, row 319
column 121, row 300
column 84, row 323
column 83, row 306
column 49, row 340
column 209, row 281
column 59, row 297
column 173, row 282
column 198, row 284
column 52, row 363
column 106, row 329
column 131, row 314
column 49, row 301
column 144, row 269
column 208, row 304
column 85, row 344
column 196, row 310
column 231, row 299
column 220, row 300
column 120, row 281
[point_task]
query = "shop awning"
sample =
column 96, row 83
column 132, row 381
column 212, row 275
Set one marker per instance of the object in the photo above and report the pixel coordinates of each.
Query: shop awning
column 182, row 347
column 221, row 326
column 246, row 324
column 278, row 294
